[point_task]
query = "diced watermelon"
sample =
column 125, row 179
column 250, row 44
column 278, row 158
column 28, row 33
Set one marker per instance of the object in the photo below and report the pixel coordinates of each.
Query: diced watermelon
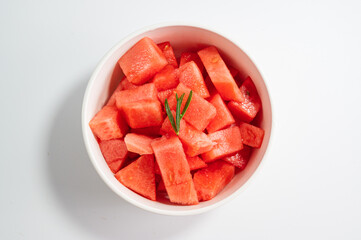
column 191, row 56
column 114, row 152
column 161, row 186
column 191, row 76
column 138, row 143
column 139, row 176
column 148, row 131
column 126, row 85
column 227, row 142
column 175, row 170
column 156, row 168
column 240, row 159
column 223, row 118
column 199, row 113
column 123, row 85
column 233, row 71
column 194, row 141
column 211, row 180
column 143, row 114
column 167, row 78
column 165, row 94
column 246, row 110
column 145, row 92
column 108, row 124
column 219, row 74
column 251, row 135
column 168, row 53
column 183, row 193
column 196, row 163
column 142, row 61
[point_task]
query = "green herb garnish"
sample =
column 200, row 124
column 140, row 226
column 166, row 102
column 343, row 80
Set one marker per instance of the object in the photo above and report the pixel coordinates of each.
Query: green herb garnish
column 179, row 115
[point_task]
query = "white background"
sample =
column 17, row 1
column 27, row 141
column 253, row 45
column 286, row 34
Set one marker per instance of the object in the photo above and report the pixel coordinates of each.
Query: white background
column 309, row 186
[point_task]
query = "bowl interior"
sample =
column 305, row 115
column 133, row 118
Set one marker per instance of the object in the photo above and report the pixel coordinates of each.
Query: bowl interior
column 182, row 38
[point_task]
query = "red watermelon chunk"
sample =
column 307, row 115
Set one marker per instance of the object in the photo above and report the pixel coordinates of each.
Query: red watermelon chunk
column 168, row 53
column 167, row 78
column 199, row 113
column 246, row 110
column 191, row 56
column 161, row 186
column 125, row 84
column 175, row 170
column 223, row 118
column 227, row 142
column 139, row 176
column 165, row 94
column 211, row 180
column 219, row 74
column 196, row 163
column 108, row 124
column 148, row 131
column 143, row 114
column 251, row 135
column 142, row 61
column 145, row 92
column 114, row 152
column 138, row 143
column 191, row 76
column 194, row 141
column 240, row 159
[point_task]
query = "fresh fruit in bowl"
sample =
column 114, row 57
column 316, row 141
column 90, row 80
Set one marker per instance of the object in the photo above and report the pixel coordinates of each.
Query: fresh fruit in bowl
column 176, row 126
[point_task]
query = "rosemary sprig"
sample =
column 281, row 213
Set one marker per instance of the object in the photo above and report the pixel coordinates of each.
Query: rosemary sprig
column 179, row 115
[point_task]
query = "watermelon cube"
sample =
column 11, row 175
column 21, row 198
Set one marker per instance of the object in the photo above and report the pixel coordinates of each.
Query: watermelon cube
column 145, row 92
column 138, row 143
column 142, row 61
column 220, row 75
column 175, row 170
column 125, row 84
column 167, row 78
column 168, row 53
column 148, row 131
column 108, row 124
column 251, row 135
column 199, row 113
column 165, row 94
column 223, row 117
column 143, row 113
column 194, row 141
column 114, row 152
column 191, row 56
column 196, row 163
column 240, row 159
column 139, row 176
column 227, row 142
column 191, row 76
column 246, row 110
column 211, row 180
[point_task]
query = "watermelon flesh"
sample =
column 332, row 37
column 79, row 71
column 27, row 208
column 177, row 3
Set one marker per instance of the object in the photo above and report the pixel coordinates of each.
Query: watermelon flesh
column 246, row 110
column 191, row 56
column 223, row 117
column 168, row 53
column 227, row 142
column 196, row 163
column 211, row 180
column 165, row 94
column 108, row 124
column 219, row 74
column 199, row 113
column 139, row 176
column 191, row 76
column 142, row 61
column 194, row 141
column 161, row 186
column 251, row 135
column 142, row 114
column 240, row 159
column 148, row 131
column 145, row 92
column 114, row 152
column 175, row 170
column 167, row 78
column 138, row 143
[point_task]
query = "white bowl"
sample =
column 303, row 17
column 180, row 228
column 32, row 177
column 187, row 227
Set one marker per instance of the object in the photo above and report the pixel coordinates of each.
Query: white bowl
column 182, row 37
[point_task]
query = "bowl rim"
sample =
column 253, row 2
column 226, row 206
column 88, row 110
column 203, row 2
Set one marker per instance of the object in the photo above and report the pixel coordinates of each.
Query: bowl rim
column 85, row 124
